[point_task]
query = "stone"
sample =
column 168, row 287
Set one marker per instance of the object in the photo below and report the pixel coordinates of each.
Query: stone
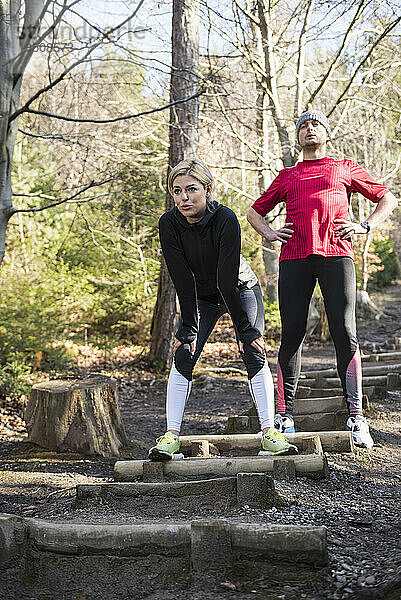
column 371, row 580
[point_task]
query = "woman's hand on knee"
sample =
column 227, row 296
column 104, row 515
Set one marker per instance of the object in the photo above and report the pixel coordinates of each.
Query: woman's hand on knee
column 258, row 344
column 177, row 344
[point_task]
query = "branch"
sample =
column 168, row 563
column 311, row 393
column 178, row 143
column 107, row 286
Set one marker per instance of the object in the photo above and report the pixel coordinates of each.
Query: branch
column 123, row 117
column 71, row 67
column 351, row 80
column 86, row 187
column 337, row 57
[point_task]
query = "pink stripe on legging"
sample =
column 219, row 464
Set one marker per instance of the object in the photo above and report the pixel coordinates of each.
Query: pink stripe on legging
column 280, row 391
column 353, row 384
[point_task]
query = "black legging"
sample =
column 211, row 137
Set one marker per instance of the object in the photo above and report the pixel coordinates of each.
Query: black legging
column 297, row 279
column 209, row 314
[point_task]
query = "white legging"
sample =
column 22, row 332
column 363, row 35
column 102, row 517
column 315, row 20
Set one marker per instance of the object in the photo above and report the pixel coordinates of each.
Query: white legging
column 179, row 388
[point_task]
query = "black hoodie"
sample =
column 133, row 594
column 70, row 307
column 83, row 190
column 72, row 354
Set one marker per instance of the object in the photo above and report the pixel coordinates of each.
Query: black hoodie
column 203, row 260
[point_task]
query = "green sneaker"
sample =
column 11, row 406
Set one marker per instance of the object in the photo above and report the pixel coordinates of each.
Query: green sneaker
column 165, row 447
column 273, row 442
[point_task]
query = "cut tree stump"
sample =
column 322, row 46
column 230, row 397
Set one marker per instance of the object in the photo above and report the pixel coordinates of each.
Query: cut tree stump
column 76, row 416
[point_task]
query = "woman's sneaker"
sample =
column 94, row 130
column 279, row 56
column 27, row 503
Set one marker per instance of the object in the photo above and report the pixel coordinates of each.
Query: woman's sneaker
column 273, row 442
column 166, row 446
column 360, row 431
column 284, row 423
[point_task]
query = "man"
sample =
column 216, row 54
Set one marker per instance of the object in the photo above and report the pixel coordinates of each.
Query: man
column 316, row 246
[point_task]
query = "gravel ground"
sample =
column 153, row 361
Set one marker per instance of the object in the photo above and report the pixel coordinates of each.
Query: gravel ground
column 358, row 503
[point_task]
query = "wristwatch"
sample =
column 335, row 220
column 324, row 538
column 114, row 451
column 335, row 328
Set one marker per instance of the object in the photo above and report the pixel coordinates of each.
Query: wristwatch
column 366, row 226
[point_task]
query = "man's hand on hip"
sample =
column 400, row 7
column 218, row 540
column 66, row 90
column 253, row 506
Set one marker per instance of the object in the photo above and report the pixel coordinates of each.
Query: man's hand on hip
column 346, row 229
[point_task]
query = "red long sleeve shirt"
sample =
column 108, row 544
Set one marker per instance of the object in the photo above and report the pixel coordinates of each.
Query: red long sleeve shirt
column 316, row 192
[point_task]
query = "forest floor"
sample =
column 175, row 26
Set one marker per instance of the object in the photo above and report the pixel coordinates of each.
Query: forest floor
column 359, row 502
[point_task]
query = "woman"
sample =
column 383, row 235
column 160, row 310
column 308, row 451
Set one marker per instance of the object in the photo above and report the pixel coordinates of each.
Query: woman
column 201, row 243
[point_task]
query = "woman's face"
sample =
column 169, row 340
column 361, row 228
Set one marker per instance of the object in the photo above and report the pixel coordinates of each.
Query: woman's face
column 190, row 197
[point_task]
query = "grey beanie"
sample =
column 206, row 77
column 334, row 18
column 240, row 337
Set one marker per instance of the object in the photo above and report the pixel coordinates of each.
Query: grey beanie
column 314, row 115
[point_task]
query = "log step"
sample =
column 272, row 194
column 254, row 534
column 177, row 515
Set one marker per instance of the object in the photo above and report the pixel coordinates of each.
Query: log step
column 332, row 441
column 366, row 371
column 310, row 392
column 251, row 489
column 305, row 465
column 303, row 423
column 381, row 357
column 301, row 544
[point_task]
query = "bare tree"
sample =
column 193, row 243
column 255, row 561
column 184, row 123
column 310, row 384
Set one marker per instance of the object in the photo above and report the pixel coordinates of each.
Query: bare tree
column 183, row 143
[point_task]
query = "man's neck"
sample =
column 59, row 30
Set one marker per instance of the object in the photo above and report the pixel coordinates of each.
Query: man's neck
column 314, row 152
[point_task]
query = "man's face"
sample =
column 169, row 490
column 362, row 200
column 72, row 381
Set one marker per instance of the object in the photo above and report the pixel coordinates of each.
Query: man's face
column 312, row 133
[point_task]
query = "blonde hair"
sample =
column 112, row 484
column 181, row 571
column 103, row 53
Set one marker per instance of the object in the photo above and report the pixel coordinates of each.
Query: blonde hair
column 196, row 168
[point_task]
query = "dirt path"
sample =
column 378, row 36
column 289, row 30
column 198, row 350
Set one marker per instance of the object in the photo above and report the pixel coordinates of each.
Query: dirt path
column 359, row 503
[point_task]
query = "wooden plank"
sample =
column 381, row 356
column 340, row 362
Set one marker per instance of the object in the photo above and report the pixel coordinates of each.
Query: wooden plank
column 321, row 421
column 305, row 464
column 332, row 441
column 366, row 370
column 381, row 357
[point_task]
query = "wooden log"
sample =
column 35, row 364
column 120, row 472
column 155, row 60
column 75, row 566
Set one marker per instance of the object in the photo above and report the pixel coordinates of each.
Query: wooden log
column 379, row 380
column 305, row 544
column 393, row 381
column 273, row 543
column 382, row 357
column 305, row 464
column 321, row 421
column 256, row 490
column 76, row 416
column 369, row 390
column 112, row 491
column 310, row 406
column 284, row 470
column 366, row 370
column 211, row 548
column 332, row 441
column 200, row 448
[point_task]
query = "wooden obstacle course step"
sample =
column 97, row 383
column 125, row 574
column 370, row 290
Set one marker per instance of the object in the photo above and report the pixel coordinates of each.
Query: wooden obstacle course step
column 168, row 489
column 367, row 370
column 305, row 465
column 78, row 415
column 251, row 489
column 111, row 559
column 310, row 392
column 381, row 357
column 249, row 443
column 303, row 423
column 311, row 406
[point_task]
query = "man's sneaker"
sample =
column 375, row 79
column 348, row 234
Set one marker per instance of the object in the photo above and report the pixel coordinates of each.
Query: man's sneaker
column 273, row 442
column 166, row 446
column 360, row 431
column 284, row 423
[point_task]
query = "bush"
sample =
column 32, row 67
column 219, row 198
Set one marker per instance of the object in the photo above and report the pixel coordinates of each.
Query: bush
column 387, row 260
column 13, row 377
column 273, row 321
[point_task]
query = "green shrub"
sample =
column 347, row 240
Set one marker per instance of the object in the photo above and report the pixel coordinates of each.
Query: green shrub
column 273, row 321
column 386, row 258
column 13, row 377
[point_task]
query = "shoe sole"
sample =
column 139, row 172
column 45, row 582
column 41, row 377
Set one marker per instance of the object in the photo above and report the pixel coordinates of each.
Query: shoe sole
column 362, row 444
column 159, row 455
column 291, row 451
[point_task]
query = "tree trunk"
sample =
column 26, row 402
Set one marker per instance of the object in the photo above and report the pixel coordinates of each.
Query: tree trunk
column 76, row 416
column 184, row 143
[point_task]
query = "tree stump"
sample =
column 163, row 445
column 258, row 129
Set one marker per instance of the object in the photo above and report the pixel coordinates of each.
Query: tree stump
column 76, row 416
